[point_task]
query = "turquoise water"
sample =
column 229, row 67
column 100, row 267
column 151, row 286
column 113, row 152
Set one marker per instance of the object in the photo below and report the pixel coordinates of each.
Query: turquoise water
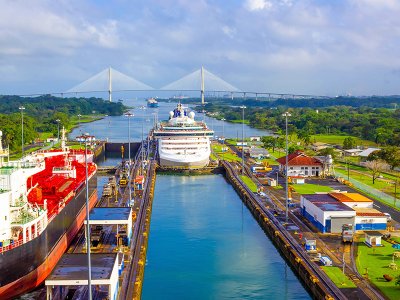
column 204, row 244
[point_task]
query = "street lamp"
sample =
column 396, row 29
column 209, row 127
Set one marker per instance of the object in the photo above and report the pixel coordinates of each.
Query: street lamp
column 223, row 137
column 286, row 115
column 87, row 139
column 129, row 115
column 58, row 130
column 79, row 121
column 22, row 108
column 242, row 107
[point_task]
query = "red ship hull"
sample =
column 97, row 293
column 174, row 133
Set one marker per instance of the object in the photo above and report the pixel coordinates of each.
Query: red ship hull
column 35, row 277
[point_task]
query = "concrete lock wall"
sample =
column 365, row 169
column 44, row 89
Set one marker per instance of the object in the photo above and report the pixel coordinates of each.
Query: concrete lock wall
column 307, row 275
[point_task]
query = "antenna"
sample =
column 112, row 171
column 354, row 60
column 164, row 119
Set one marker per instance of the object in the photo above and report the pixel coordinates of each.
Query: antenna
column 109, row 85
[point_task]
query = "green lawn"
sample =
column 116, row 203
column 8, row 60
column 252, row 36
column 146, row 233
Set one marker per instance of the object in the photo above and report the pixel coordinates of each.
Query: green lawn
column 226, row 155
column 252, row 186
column 376, row 260
column 338, row 278
column 309, row 188
column 382, row 185
column 240, row 121
column 338, row 139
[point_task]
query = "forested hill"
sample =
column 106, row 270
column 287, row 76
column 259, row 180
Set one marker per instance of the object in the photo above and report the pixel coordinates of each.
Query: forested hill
column 262, row 101
column 45, row 114
column 47, row 105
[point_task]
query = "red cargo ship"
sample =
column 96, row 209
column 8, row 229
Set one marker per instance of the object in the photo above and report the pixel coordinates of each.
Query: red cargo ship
column 42, row 207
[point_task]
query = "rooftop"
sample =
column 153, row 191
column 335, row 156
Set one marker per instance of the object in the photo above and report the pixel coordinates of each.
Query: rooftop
column 73, row 268
column 299, row 158
column 110, row 214
column 326, row 203
column 368, row 212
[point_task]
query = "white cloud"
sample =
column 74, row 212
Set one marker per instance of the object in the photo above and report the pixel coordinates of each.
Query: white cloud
column 254, row 5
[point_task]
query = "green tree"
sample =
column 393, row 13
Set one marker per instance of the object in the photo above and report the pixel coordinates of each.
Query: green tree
column 327, row 151
column 269, row 142
column 349, row 143
column 391, row 155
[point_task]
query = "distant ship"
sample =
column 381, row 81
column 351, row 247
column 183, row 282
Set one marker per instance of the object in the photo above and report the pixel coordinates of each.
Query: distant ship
column 152, row 102
column 183, row 142
column 43, row 206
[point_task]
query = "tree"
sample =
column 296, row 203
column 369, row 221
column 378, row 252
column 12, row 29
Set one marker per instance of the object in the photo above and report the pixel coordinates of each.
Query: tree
column 349, row 143
column 269, row 142
column 327, row 151
column 376, row 167
column 391, row 155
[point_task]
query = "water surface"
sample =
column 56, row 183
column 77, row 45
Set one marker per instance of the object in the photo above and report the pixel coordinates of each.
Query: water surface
column 204, row 244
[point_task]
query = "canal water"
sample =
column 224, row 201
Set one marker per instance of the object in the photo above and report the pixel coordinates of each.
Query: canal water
column 115, row 128
column 204, row 244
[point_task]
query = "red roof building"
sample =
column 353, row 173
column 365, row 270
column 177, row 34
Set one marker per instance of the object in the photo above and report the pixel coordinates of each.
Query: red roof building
column 300, row 164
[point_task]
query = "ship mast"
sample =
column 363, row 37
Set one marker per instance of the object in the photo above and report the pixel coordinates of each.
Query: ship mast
column 109, row 85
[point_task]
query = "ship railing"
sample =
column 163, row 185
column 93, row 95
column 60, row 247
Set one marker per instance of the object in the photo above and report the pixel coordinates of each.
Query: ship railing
column 13, row 244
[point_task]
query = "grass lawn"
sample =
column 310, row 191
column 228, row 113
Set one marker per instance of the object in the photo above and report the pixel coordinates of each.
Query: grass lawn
column 338, row 278
column 252, row 186
column 240, row 121
column 376, row 261
column 271, row 161
column 309, row 188
column 277, row 153
column 381, row 185
column 338, row 139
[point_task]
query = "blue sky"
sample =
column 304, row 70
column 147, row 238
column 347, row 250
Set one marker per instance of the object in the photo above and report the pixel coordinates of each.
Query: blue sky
column 284, row 46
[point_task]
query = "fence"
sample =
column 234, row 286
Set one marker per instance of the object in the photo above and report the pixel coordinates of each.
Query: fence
column 381, row 196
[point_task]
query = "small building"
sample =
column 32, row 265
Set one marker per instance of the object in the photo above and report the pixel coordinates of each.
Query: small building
column 352, row 152
column 369, row 219
column 364, row 154
column 317, row 146
column 373, row 238
column 255, row 139
column 326, row 213
column 271, row 181
column 297, row 179
column 258, row 153
column 299, row 164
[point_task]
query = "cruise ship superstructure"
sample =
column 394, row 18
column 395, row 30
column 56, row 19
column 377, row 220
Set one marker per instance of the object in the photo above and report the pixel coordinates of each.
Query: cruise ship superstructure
column 182, row 141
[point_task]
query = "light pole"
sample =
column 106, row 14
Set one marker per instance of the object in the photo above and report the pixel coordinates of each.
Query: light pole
column 79, row 121
column 22, row 108
column 86, row 138
column 286, row 115
column 223, row 137
column 58, row 130
column 242, row 107
column 395, row 193
column 129, row 115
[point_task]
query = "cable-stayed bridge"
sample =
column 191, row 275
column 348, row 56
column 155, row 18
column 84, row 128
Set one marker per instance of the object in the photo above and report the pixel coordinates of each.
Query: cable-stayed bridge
column 110, row 80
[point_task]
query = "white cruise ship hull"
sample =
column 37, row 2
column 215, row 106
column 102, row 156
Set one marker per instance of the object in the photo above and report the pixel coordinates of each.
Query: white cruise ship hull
column 190, row 162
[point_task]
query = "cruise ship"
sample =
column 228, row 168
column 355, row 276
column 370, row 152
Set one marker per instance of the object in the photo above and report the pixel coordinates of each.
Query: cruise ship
column 182, row 141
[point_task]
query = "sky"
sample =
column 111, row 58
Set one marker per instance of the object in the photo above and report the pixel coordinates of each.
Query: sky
column 313, row 47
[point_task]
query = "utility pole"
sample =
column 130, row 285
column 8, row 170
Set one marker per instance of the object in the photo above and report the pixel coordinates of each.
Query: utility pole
column 286, row 115
column 242, row 107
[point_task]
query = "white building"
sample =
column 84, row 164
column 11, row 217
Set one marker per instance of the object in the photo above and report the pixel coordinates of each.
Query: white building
column 326, row 213
column 299, row 164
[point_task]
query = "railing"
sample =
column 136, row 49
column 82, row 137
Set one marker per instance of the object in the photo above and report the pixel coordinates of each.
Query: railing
column 11, row 246
column 370, row 190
